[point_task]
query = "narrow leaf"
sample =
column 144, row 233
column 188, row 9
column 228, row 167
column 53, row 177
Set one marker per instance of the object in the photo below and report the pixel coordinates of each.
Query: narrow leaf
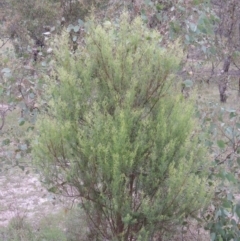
column 221, row 144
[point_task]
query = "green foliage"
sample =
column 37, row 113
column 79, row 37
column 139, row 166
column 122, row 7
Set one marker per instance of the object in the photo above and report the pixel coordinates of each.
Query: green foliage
column 222, row 139
column 18, row 230
column 76, row 225
column 193, row 22
column 54, row 227
column 115, row 131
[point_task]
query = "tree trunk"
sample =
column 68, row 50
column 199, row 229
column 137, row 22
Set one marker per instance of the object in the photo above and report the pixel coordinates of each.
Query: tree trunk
column 239, row 87
column 222, row 90
column 222, row 85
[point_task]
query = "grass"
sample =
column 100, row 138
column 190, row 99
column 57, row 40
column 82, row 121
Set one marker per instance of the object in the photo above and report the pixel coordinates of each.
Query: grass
column 62, row 226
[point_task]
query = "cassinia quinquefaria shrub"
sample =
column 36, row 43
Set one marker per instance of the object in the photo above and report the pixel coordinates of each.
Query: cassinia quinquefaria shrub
column 117, row 135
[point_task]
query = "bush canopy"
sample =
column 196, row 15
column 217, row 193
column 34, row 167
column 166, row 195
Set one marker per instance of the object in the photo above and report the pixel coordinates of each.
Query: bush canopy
column 117, row 136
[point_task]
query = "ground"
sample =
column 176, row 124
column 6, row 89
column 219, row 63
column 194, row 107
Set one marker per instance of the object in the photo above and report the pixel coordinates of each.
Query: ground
column 21, row 192
column 23, row 195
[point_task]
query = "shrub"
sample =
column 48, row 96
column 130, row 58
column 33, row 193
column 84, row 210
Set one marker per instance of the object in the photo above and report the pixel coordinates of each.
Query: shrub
column 117, row 135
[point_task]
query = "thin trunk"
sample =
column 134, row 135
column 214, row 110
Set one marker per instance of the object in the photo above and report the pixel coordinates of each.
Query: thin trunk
column 239, row 86
column 119, row 225
column 222, row 85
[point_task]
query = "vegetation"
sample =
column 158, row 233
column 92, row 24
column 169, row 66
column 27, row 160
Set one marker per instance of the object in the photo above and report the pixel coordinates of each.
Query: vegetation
column 50, row 229
column 115, row 132
column 49, row 49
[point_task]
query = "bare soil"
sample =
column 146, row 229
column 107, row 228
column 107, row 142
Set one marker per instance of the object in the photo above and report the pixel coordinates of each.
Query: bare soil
column 23, row 195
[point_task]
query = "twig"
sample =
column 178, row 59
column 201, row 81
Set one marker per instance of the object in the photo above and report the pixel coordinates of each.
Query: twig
column 4, row 42
column 3, row 115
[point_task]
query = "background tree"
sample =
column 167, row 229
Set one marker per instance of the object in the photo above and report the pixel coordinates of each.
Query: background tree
column 114, row 134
